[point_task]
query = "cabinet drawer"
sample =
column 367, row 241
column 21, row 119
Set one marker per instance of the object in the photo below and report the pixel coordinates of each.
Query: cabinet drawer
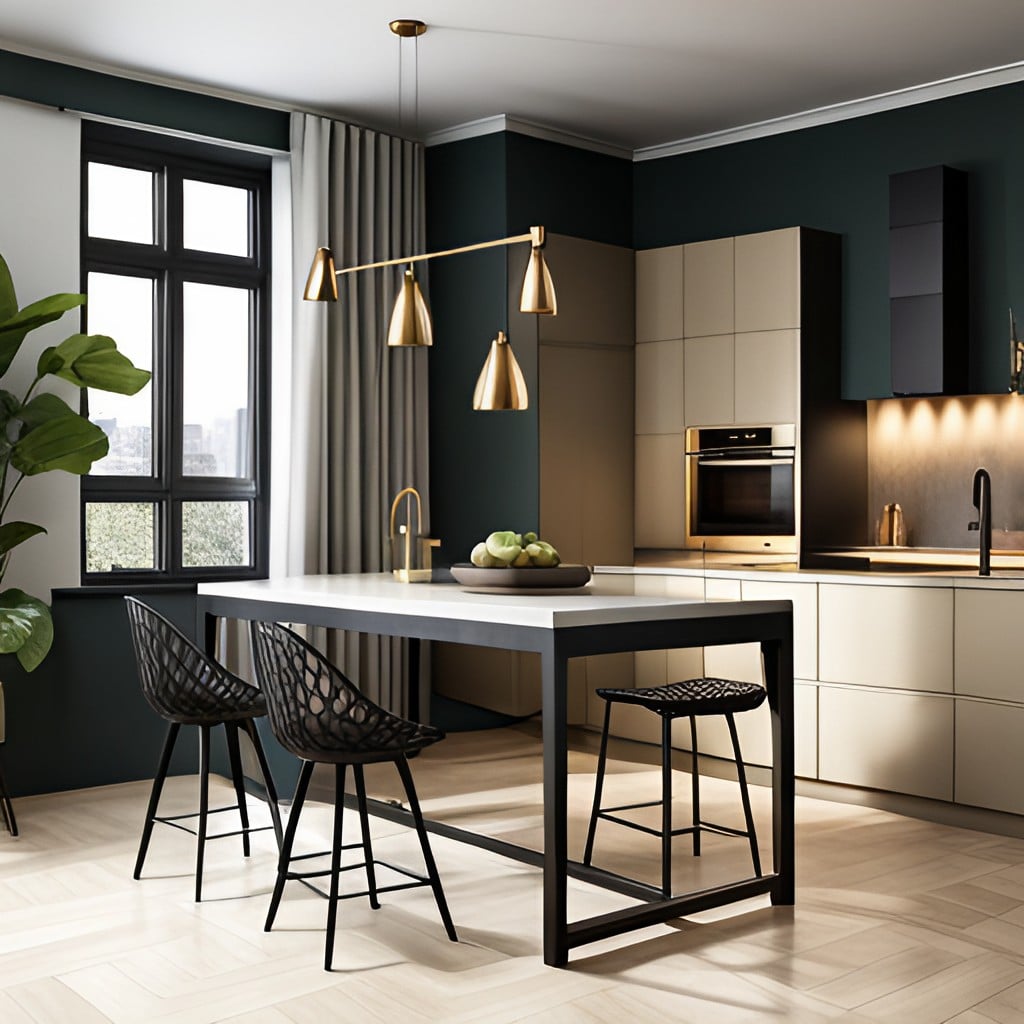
column 902, row 742
column 886, row 636
column 988, row 644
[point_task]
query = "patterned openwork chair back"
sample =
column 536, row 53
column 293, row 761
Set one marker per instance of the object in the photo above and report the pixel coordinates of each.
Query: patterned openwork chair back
column 181, row 683
column 317, row 713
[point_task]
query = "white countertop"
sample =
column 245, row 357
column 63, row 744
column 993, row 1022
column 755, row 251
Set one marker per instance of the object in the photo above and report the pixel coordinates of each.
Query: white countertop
column 608, row 598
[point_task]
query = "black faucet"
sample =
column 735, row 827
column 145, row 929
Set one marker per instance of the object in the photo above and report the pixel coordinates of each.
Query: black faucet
column 983, row 524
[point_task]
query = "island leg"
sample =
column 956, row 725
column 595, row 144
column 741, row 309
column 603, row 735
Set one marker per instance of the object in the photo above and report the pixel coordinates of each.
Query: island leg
column 554, row 682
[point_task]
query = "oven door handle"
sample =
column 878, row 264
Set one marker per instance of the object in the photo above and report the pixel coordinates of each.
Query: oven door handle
column 783, row 461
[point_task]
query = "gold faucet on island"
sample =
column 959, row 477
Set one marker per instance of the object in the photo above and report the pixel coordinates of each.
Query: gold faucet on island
column 410, row 563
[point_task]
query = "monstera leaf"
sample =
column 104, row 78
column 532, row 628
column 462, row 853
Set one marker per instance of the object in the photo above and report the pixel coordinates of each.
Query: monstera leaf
column 40, row 432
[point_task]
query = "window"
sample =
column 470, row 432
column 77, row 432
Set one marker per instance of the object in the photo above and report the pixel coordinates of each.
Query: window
column 175, row 258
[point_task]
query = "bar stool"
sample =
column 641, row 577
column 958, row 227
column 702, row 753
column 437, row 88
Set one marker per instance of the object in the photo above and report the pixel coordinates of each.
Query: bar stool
column 318, row 714
column 692, row 698
column 187, row 687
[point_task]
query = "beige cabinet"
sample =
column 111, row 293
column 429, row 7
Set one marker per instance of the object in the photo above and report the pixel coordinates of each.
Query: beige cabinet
column 893, row 637
column 659, row 387
column 659, row 294
column 987, row 646
column 767, row 377
column 875, row 739
column 659, row 491
column 768, row 281
column 709, row 288
column 988, row 755
column 709, row 372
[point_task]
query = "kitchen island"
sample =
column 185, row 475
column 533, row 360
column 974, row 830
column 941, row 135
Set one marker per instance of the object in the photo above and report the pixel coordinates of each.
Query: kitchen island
column 609, row 615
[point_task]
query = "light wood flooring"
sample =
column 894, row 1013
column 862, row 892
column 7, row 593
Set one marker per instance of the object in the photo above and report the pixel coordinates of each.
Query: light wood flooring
column 897, row 920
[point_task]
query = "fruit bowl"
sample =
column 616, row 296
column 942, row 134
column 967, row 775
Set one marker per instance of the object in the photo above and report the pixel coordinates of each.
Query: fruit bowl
column 526, row 578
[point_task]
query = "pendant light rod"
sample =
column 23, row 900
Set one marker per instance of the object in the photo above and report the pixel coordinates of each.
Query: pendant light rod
column 534, row 235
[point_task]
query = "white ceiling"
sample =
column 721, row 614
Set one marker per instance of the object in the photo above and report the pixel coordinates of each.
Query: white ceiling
column 628, row 73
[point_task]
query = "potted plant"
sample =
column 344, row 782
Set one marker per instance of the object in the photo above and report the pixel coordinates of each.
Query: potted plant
column 42, row 433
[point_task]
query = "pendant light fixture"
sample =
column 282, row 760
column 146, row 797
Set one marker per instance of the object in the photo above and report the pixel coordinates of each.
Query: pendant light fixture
column 410, row 325
column 501, row 384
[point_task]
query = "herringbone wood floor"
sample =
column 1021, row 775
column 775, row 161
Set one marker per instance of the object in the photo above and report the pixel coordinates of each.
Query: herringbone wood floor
column 897, row 920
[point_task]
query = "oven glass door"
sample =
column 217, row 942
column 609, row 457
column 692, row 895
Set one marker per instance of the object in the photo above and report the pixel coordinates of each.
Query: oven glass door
column 745, row 497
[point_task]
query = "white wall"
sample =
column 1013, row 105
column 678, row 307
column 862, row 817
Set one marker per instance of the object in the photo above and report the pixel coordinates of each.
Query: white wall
column 39, row 239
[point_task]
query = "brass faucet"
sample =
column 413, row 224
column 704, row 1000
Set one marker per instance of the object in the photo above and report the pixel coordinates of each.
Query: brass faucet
column 407, row 572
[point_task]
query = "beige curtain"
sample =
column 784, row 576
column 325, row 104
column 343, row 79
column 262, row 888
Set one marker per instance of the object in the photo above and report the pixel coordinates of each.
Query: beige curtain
column 358, row 409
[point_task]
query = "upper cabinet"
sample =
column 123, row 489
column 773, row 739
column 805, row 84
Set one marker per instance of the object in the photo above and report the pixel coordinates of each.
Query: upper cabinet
column 709, row 288
column 928, row 281
column 659, row 294
column 768, row 281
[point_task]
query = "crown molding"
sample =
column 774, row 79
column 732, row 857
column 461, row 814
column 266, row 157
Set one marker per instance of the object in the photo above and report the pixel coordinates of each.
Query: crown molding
column 975, row 81
column 505, row 123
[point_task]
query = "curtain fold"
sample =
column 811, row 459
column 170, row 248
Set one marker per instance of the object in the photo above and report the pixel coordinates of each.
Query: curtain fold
column 358, row 418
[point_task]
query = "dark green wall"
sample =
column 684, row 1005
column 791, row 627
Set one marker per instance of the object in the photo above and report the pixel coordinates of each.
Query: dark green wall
column 80, row 719
column 93, row 92
column 484, row 465
column 835, row 177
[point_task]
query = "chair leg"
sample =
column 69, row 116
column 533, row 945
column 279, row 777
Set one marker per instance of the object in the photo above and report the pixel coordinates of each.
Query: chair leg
column 154, row 795
column 268, row 782
column 428, row 858
column 741, row 775
column 6, row 807
column 285, row 856
column 235, row 760
column 588, row 851
column 666, row 806
column 204, row 805
column 364, row 825
column 695, row 785
column 336, row 840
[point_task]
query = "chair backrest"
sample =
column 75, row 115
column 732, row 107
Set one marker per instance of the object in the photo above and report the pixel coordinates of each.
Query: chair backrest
column 179, row 680
column 312, row 706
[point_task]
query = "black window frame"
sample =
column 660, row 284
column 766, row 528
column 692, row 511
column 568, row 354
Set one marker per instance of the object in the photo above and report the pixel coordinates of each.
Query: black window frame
column 171, row 265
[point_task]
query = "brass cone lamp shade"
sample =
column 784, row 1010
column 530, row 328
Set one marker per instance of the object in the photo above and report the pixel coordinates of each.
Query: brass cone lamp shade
column 410, row 320
column 501, row 384
column 322, row 284
column 538, row 290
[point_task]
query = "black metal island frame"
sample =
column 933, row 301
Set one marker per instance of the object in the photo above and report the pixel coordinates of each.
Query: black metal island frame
column 604, row 618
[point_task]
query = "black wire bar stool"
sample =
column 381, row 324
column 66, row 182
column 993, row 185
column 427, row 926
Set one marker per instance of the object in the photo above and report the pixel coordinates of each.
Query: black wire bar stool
column 691, row 699
column 318, row 714
column 186, row 686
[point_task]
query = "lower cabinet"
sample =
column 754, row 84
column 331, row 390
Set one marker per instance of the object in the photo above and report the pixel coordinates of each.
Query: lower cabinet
column 902, row 742
column 988, row 756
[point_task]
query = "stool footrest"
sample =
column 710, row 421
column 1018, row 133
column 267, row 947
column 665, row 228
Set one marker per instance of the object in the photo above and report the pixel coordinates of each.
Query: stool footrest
column 175, row 822
column 702, row 826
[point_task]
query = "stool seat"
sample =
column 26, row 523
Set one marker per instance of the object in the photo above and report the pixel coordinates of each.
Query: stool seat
column 707, row 695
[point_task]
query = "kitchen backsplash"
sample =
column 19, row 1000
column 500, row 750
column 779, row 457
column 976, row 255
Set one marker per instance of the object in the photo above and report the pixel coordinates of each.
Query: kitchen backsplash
column 922, row 453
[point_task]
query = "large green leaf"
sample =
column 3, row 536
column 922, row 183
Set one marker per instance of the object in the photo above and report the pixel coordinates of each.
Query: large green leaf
column 93, row 361
column 70, row 443
column 14, row 328
column 8, row 298
column 13, row 534
column 26, row 627
column 43, row 408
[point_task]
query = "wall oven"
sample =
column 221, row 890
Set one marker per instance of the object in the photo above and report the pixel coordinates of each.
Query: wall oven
column 741, row 488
